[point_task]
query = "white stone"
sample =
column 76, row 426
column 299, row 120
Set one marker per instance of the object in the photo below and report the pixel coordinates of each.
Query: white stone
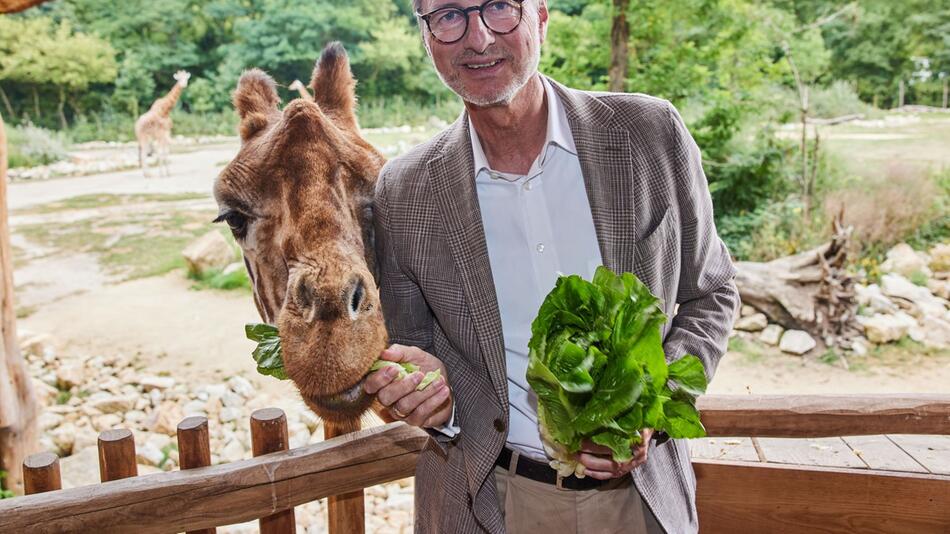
column 771, row 335
column 897, row 286
column 232, row 400
column 135, row 416
column 106, row 422
column 35, row 345
column 48, row 420
column 936, row 332
column 940, row 288
column 159, row 441
column 872, row 298
column 796, row 342
column 241, row 386
column 195, row 407
column 230, row 414
column 80, row 469
column 70, row 373
column 64, row 437
column 747, row 310
column 752, row 323
column 148, row 454
column 904, row 260
column 885, row 328
column 859, row 347
column 210, row 251
column 149, row 383
column 106, row 403
column 310, row 419
column 233, row 451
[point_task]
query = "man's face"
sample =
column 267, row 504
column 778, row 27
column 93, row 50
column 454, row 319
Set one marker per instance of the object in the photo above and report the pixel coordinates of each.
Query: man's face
column 483, row 67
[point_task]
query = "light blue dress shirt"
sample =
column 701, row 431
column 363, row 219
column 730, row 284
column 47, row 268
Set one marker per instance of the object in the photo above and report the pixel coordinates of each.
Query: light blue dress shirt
column 537, row 226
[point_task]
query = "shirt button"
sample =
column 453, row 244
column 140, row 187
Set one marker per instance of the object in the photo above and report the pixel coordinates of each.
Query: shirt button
column 527, row 186
column 540, row 248
column 499, row 424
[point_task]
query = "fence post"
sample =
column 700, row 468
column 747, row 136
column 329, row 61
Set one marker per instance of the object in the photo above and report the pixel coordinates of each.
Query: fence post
column 194, row 450
column 41, row 473
column 117, row 455
column 346, row 511
column 269, row 434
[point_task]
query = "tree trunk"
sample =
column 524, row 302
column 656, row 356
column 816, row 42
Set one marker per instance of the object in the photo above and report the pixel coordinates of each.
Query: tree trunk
column 619, row 47
column 62, row 105
column 9, row 106
column 811, row 291
column 900, row 95
column 36, row 104
column 17, row 403
column 946, row 92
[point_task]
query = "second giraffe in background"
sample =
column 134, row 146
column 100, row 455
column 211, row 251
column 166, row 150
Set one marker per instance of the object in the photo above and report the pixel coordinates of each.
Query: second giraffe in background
column 153, row 130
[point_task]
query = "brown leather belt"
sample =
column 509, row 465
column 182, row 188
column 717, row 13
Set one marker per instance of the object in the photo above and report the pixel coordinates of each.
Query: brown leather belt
column 542, row 472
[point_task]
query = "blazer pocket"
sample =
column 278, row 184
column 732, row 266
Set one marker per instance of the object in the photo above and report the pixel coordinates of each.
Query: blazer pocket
column 658, row 233
column 656, row 256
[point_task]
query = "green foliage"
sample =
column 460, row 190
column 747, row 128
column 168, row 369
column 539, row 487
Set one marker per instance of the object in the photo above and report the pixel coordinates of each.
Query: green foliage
column 5, row 493
column 267, row 354
column 597, row 365
column 30, row 146
column 216, row 279
column 772, row 230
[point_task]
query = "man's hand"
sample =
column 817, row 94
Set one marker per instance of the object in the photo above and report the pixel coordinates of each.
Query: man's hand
column 599, row 460
column 427, row 408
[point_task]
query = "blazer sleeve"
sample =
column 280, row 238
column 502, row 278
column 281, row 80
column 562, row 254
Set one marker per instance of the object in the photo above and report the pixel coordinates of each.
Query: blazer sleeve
column 409, row 319
column 707, row 294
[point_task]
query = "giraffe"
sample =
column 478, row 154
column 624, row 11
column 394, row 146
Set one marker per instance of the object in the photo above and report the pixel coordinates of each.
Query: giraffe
column 153, row 130
column 298, row 199
column 298, row 86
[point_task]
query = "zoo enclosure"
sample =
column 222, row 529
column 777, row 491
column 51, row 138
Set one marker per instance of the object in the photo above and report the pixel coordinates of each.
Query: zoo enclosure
column 761, row 497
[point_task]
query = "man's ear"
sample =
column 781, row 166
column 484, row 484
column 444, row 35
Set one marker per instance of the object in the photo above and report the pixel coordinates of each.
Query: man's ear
column 542, row 19
column 256, row 102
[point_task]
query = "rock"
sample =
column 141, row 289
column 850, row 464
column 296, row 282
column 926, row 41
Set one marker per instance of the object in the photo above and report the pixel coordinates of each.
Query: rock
column 897, row 286
column 45, row 393
column 796, row 342
column 872, row 298
column 195, row 407
column 310, row 419
column 145, row 469
column 148, row 454
column 884, row 328
column 106, row 422
column 747, row 310
column 940, row 288
column 135, row 416
column 64, row 438
column 80, row 469
column 70, row 374
column 859, row 347
column 35, row 345
column 107, row 403
column 86, row 437
column 48, row 420
column 940, row 258
column 905, row 261
column 232, row 452
column 230, row 414
column 149, row 383
column 159, row 441
column 209, row 252
column 752, row 323
column 233, row 268
column 241, row 386
column 936, row 332
column 165, row 419
column 771, row 335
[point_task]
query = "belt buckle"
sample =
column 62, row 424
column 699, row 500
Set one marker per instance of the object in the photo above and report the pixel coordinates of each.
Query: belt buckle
column 559, row 483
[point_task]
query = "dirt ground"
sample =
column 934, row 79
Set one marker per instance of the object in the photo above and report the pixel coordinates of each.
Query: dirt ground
column 66, row 251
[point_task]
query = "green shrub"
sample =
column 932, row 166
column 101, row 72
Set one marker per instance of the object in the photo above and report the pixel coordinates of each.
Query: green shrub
column 773, row 230
column 5, row 494
column 216, row 279
column 399, row 111
column 31, row 146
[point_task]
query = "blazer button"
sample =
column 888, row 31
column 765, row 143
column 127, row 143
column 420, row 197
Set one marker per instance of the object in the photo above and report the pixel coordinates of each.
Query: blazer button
column 499, row 424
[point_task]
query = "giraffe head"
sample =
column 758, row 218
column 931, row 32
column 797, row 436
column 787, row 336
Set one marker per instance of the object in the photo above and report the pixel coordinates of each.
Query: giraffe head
column 182, row 77
column 298, row 199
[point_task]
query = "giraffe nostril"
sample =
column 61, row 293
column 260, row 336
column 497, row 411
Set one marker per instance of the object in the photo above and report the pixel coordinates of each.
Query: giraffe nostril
column 356, row 298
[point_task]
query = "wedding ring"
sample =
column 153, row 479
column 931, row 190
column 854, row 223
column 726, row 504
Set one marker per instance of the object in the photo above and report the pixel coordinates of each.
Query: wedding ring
column 397, row 413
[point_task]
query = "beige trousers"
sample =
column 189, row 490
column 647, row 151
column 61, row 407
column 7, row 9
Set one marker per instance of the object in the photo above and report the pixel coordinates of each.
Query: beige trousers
column 533, row 507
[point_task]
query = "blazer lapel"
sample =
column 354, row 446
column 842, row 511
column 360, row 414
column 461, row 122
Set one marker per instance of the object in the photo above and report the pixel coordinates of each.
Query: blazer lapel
column 606, row 157
column 452, row 183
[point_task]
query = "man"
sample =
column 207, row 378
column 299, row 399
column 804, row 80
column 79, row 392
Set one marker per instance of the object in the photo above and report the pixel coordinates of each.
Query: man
column 472, row 229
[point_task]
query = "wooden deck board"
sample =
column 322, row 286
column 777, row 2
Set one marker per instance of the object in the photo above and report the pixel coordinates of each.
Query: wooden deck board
column 733, row 449
column 822, row 452
column 880, row 453
column 933, row 452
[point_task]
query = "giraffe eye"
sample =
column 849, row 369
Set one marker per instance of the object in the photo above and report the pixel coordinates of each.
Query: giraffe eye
column 236, row 221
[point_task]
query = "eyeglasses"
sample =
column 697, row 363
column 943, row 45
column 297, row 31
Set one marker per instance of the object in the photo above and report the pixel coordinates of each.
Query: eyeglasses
column 448, row 25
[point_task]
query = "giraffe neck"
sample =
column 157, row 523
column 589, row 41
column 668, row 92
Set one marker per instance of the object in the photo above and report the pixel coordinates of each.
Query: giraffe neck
column 166, row 104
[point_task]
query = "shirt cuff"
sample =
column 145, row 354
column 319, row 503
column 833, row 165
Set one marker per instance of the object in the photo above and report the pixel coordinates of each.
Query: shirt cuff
column 449, row 428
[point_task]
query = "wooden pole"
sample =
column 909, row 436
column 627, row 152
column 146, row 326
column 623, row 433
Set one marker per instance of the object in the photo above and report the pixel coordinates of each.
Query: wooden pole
column 345, row 511
column 194, row 450
column 269, row 434
column 117, row 455
column 41, row 473
column 17, row 403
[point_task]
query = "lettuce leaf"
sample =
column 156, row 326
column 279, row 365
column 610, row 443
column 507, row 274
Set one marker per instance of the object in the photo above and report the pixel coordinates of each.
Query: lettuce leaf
column 597, row 365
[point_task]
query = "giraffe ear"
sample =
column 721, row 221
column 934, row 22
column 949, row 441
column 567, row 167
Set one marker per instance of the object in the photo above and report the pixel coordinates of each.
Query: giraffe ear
column 334, row 87
column 256, row 101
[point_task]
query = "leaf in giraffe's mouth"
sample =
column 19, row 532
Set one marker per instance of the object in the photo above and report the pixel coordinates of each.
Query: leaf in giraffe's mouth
column 267, row 354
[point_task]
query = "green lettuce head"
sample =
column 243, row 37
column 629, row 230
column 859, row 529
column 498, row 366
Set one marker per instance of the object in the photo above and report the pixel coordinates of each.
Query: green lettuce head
column 597, row 365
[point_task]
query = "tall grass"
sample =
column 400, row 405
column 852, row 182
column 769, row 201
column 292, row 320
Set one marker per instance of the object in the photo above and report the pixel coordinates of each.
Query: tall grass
column 30, row 146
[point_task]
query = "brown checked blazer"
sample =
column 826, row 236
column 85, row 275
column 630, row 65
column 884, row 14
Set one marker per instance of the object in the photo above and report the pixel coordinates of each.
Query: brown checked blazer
column 653, row 217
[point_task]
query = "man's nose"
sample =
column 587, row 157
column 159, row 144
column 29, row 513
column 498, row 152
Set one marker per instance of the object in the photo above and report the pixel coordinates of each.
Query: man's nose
column 479, row 37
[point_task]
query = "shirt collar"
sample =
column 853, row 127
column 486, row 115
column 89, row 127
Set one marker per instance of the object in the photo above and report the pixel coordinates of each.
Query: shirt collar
column 558, row 130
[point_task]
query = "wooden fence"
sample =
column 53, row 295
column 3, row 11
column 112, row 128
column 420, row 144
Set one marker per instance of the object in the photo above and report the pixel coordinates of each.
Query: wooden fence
column 761, row 498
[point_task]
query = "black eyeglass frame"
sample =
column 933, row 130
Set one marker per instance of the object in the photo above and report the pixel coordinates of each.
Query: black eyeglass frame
column 465, row 12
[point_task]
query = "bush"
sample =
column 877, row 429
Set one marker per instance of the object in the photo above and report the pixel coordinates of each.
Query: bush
column 773, row 230
column 399, row 111
column 216, row 279
column 30, row 146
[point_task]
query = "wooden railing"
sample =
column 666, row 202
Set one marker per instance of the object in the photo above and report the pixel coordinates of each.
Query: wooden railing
column 756, row 496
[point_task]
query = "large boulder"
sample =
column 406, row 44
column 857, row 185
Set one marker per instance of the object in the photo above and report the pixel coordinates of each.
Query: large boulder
column 884, row 327
column 752, row 323
column 905, row 261
column 209, row 252
column 940, row 258
column 896, row 286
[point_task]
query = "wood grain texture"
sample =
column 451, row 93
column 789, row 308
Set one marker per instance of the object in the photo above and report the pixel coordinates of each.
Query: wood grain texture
column 769, row 498
column 812, row 416
column 933, row 452
column 224, row 494
column 882, row 454
column 41, row 473
column 268, row 435
column 820, row 452
column 194, row 450
column 117, row 455
column 345, row 512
